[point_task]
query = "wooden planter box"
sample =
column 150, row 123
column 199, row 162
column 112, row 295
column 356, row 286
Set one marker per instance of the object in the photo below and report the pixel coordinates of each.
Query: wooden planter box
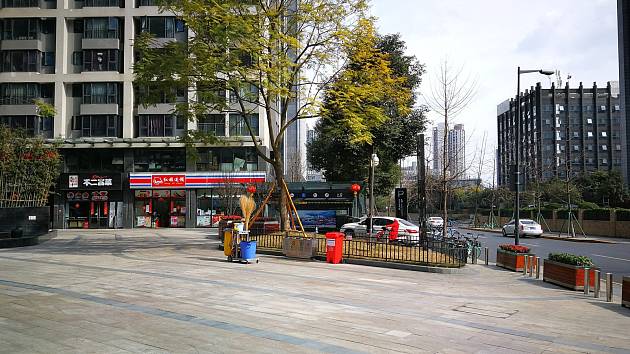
column 625, row 292
column 566, row 275
column 510, row 260
column 299, row 247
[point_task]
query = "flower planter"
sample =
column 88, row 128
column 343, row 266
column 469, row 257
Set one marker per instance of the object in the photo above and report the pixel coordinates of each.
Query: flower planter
column 566, row 275
column 511, row 260
column 625, row 292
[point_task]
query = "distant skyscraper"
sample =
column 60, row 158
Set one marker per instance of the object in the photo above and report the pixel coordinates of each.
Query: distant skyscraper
column 312, row 175
column 455, row 150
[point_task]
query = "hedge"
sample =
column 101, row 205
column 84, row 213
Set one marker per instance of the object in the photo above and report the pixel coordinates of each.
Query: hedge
column 596, row 214
column 623, row 214
column 571, row 259
column 562, row 214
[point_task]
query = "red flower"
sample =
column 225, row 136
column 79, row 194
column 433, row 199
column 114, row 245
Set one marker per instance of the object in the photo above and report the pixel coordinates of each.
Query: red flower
column 514, row 248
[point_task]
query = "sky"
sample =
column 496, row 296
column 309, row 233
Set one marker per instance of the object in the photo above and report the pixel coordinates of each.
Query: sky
column 489, row 39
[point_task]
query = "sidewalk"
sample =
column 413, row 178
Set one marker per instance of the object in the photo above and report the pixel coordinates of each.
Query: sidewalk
column 171, row 291
column 564, row 237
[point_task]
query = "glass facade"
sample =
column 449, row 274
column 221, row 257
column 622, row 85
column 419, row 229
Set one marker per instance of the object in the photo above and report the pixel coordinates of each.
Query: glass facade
column 160, row 208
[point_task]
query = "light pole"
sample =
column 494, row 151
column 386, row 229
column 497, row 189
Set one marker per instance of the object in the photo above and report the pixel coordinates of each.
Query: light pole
column 373, row 163
column 517, row 137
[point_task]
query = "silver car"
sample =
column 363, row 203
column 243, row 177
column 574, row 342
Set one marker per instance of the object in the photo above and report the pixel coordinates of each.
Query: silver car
column 407, row 232
column 528, row 227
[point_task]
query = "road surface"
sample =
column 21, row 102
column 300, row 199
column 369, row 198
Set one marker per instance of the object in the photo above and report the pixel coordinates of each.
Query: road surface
column 611, row 258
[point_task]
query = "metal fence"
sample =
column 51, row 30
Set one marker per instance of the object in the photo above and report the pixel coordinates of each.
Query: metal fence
column 426, row 251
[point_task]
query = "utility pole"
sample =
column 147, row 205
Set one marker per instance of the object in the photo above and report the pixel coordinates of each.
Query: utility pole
column 421, row 179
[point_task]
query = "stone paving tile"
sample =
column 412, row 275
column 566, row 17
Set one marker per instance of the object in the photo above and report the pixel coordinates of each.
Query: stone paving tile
column 172, row 292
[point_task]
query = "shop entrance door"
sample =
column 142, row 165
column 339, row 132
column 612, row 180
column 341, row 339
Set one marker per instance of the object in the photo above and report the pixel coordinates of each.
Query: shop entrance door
column 99, row 217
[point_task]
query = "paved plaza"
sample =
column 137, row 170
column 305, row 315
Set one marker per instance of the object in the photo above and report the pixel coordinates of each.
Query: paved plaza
column 171, row 291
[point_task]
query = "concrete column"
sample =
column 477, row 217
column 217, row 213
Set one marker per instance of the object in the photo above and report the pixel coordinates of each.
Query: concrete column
column 191, row 208
column 61, row 120
column 128, row 99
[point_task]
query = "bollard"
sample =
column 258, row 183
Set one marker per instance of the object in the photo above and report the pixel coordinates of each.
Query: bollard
column 487, row 255
column 597, row 280
column 537, row 267
column 525, row 259
column 609, row 287
column 474, row 255
column 531, row 266
column 586, row 281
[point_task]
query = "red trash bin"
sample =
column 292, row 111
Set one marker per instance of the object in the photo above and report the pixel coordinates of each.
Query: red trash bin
column 334, row 247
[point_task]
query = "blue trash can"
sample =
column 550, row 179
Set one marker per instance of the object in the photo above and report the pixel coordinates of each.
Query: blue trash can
column 248, row 249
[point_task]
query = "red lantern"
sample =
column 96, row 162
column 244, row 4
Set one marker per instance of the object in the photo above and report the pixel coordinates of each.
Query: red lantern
column 77, row 206
column 355, row 188
column 251, row 189
column 105, row 208
column 91, row 208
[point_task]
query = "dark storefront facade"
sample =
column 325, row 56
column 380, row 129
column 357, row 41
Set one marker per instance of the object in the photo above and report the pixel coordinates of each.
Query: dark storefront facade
column 140, row 188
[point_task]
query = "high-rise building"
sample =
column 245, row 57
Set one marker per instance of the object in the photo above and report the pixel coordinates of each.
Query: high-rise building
column 455, row 150
column 438, row 148
column 623, row 16
column 124, row 165
column 582, row 126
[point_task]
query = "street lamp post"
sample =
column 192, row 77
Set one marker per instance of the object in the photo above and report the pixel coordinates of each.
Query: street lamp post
column 373, row 163
column 517, row 137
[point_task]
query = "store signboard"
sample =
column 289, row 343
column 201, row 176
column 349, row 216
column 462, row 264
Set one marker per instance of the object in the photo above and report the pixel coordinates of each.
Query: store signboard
column 90, row 181
column 147, row 180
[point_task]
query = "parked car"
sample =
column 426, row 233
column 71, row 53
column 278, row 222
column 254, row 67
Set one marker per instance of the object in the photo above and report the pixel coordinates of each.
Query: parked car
column 528, row 227
column 435, row 222
column 408, row 233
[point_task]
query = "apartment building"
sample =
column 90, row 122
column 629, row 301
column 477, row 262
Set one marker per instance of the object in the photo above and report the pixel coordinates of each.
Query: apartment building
column 123, row 163
column 563, row 130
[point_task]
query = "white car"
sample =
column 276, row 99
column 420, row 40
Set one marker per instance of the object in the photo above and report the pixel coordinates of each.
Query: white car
column 407, row 232
column 435, row 221
column 528, row 227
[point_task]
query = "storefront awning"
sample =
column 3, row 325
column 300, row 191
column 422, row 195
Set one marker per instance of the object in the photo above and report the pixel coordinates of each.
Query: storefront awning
column 165, row 180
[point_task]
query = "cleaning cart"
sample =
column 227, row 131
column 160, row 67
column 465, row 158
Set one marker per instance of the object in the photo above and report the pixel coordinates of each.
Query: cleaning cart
column 238, row 247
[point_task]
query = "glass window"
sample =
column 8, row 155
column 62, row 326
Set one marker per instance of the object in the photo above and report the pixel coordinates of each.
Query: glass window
column 20, row 60
column 159, row 27
column 238, row 125
column 212, row 123
column 98, row 125
column 20, row 3
column 19, row 93
column 102, row 3
column 100, row 93
column 101, row 27
column 157, row 160
column 48, row 59
column 77, row 58
column 21, row 29
column 101, row 60
column 155, row 125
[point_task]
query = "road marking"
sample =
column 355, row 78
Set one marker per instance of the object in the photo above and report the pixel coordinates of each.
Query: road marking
column 619, row 259
column 529, row 244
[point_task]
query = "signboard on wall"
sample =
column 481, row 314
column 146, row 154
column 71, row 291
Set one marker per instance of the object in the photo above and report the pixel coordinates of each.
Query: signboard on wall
column 90, row 181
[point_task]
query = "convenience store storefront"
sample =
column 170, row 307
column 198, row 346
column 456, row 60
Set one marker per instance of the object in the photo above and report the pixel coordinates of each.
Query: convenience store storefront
column 186, row 199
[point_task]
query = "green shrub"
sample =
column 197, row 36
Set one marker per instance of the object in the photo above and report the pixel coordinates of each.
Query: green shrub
column 596, row 214
column 623, row 214
column 587, row 205
column 571, row 259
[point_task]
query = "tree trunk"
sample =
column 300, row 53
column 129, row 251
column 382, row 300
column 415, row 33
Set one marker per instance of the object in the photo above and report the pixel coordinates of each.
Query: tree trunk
column 283, row 204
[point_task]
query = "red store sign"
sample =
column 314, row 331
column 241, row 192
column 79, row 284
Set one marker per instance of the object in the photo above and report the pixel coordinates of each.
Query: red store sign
column 168, row 181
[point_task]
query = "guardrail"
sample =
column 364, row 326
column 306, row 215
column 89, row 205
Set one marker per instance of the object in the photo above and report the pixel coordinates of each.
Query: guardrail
column 426, row 251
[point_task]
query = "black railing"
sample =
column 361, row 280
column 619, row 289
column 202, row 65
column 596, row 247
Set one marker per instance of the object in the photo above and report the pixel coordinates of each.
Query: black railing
column 425, row 251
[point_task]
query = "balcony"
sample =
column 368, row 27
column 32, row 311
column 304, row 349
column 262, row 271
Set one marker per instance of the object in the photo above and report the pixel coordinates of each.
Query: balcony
column 98, row 108
column 159, row 108
column 100, row 43
column 22, row 44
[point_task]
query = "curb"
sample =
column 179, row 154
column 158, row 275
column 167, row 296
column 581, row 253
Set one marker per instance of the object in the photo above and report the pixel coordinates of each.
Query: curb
column 548, row 237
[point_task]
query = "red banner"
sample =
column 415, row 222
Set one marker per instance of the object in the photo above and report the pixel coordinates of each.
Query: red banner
column 167, row 181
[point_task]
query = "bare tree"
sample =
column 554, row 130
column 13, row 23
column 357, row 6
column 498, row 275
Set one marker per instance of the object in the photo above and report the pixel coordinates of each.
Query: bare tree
column 450, row 93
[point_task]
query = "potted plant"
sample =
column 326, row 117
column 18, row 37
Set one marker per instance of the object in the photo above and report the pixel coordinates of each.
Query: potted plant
column 512, row 257
column 567, row 270
column 625, row 292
